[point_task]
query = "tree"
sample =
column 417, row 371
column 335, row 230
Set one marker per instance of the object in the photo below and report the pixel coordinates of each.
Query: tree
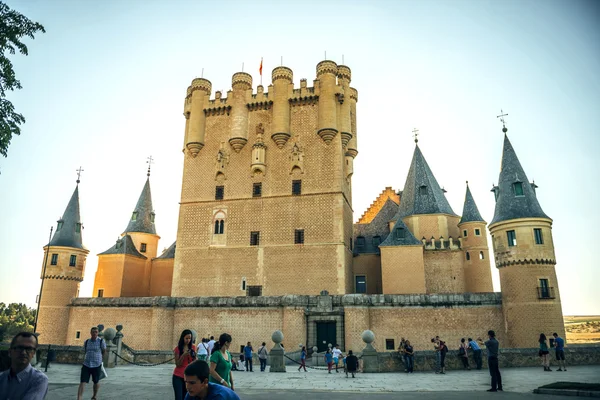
column 15, row 318
column 13, row 27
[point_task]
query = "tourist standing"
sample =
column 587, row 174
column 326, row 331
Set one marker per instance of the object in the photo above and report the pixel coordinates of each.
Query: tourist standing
column 476, row 352
column 248, row 356
column 22, row 381
column 199, row 388
column 203, row 350
column 544, row 352
column 463, row 353
column 211, row 345
column 94, row 348
column 220, row 362
column 351, row 363
column 185, row 354
column 336, row 353
column 492, row 347
column 559, row 345
column 302, row 359
column 409, row 356
column 329, row 360
column 443, row 352
column 262, row 356
column 438, row 354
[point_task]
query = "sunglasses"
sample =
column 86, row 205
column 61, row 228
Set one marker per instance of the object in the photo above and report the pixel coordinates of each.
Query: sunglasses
column 28, row 349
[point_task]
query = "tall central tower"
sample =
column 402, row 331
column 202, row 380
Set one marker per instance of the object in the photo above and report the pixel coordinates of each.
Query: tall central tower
column 266, row 207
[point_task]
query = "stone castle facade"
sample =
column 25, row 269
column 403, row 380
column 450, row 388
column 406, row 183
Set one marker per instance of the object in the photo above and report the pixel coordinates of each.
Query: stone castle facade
column 266, row 240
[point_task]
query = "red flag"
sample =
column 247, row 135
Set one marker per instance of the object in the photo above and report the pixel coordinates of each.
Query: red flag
column 260, row 68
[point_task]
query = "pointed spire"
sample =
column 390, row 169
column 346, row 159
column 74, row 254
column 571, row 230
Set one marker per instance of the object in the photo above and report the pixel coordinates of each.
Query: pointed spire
column 142, row 218
column 68, row 229
column 470, row 211
column 422, row 194
column 515, row 196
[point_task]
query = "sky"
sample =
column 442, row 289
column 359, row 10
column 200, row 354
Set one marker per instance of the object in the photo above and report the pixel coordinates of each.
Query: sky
column 104, row 87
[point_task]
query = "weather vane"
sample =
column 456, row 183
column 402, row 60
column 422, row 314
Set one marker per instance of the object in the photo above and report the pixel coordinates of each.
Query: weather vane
column 415, row 132
column 149, row 162
column 79, row 171
column 501, row 116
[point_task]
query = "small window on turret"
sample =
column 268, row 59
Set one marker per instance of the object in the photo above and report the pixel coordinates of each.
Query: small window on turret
column 539, row 239
column 78, row 228
column 481, row 255
column 59, row 226
column 465, row 232
column 143, row 247
column 468, row 256
column 512, row 238
column 152, row 215
column 518, row 186
column 477, row 232
column 73, row 261
column 399, row 233
column 376, row 241
column 134, row 216
column 54, row 259
column 423, row 190
column 360, row 242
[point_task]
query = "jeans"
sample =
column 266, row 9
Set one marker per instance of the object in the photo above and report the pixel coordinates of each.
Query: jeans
column 263, row 364
column 302, row 364
column 495, row 373
column 179, row 388
column 465, row 362
column 477, row 358
column 249, row 364
column 409, row 362
column 438, row 361
column 442, row 359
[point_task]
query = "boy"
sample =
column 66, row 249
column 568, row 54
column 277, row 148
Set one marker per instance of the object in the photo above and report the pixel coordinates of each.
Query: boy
column 198, row 387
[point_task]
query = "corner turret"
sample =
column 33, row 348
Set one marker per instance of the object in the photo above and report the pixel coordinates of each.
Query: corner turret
column 327, row 125
column 282, row 88
column 196, row 100
column 241, row 83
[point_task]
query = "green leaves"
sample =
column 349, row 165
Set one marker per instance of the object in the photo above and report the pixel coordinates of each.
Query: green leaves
column 14, row 318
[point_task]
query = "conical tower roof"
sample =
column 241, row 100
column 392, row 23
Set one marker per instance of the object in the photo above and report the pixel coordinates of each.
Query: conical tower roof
column 470, row 211
column 515, row 196
column 142, row 218
column 422, row 194
column 68, row 230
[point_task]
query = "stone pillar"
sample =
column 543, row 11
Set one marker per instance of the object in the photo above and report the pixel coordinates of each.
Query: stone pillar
column 315, row 356
column 276, row 355
column 119, row 342
column 109, row 356
column 369, row 354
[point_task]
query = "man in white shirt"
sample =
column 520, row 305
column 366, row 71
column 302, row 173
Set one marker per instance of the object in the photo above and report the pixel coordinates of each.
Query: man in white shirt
column 211, row 345
column 337, row 353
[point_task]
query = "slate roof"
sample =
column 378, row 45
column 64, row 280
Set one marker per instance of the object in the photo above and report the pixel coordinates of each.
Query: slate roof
column 408, row 240
column 144, row 221
column 431, row 199
column 69, row 234
column 470, row 211
column 508, row 205
column 168, row 253
column 124, row 245
column 379, row 226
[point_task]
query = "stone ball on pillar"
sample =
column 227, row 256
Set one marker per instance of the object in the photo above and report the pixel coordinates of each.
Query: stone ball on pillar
column 119, row 328
column 329, row 345
column 277, row 337
column 368, row 336
column 315, row 349
column 100, row 327
column 194, row 335
column 109, row 334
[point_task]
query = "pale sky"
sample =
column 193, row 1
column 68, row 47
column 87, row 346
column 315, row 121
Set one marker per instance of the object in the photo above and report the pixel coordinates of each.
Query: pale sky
column 104, row 89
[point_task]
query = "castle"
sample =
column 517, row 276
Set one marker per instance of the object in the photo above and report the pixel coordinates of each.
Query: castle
column 266, row 240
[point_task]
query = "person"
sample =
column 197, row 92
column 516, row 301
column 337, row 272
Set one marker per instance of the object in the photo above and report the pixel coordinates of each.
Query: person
column 409, row 356
column 329, row 360
column 22, row 381
column 220, row 362
column 302, row 359
column 438, row 354
column 544, row 352
column 336, row 353
column 402, row 353
column 559, row 345
column 94, row 348
column 492, row 347
column 476, row 352
column 248, row 356
column 211, row 345
column 203, row 349
column 199, row 388
column 263, row 353
column 185, row 354
column 443, row 352
column 463, row 353
column 351, row 363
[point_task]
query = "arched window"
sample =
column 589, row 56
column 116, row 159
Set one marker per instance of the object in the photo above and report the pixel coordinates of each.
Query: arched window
column 481, row 255
column 216, row 227
column 221, row 226
column 468, row 256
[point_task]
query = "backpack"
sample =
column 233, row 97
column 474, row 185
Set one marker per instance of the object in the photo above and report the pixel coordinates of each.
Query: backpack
column 86, row 342
column 443, row 347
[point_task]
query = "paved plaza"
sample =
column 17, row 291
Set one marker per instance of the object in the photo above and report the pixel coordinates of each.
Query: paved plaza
column 155, row 383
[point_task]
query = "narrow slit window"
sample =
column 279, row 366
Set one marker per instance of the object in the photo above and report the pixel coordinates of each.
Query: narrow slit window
column 465, row 233
column 468, row 256
column 360, row 242
column 100, row 292
column 78, row 228
column 477, row 232
column 481, row 255
column 297, row 188
column 54, row 260
column 257, row 189
column 134, row 216
column 399, row 233
column 143, row 248
column 219, row 192
column 299, row 236
column 254, row 238
column 518, row 187
column 73, row 261
column 512, row 238
column 389, row 344
column 539, row 239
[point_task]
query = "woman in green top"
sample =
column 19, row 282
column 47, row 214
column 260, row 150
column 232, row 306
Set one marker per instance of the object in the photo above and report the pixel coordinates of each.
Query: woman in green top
column 220, row 362
column 544, row 352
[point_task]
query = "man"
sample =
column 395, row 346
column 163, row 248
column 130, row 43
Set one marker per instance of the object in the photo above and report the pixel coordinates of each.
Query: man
column 337, row 353
column 211, row 345
column 248, row 356
column 476, row 352
column 198, row 387
column 559, row 345
column 262, row 356
column 94, row 348
column 492, row 346
column 402, row 353
column 351, row 363
column 22, row 381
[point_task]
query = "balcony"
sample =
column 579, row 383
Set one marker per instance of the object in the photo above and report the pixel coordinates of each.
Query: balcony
column 546, row 292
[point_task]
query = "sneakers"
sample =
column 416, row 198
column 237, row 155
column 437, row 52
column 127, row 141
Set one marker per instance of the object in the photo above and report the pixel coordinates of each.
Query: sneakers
column 560, row 369
column 492, row 390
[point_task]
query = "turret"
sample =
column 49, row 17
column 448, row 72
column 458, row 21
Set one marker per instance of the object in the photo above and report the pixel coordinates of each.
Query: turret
column 242, row 92
column 352, row 149
column 195, row 102
column 282, row 87
column 524, row 252
column 327, row 123
column 258, row 152
column 477, row 272
column 64, row 262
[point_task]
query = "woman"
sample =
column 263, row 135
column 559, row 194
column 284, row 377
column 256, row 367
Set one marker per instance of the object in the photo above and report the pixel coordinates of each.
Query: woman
column 409, row 356
column 185, row 353
column 544, row 352
column 302, row 359
column 463, row 353
column 203, row 350
column 438, row 355
column 329, row 360
column 220, row 362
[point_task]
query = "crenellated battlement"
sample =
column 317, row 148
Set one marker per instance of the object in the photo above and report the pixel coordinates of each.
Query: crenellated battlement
column 442, row 244
column 241, row 81
column 284, row 73
column 344, row 72
column 327, row 67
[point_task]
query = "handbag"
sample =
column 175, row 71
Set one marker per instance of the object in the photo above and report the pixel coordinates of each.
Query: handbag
column 102, row 374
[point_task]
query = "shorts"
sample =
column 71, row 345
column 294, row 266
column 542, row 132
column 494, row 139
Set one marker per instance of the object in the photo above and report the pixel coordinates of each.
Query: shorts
column 86, row 372
column 335, row 360
column 560, row 355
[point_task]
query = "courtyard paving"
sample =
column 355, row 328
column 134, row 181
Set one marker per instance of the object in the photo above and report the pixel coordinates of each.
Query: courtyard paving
column 155, row 383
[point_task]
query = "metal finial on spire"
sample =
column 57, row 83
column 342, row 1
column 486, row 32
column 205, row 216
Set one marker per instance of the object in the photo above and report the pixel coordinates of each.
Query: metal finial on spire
column 467, row 183
column 501, row 116
column 415, row 132
column 202, row 75
column 79, row 171
column 149, row 162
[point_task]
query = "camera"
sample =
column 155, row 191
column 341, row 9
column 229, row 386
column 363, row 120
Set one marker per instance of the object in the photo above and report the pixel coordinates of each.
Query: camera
column 192, row 353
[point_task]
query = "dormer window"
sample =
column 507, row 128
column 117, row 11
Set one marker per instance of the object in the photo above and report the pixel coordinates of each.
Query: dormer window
column 376, row 241
column 152, row 215
column 399, row 233
column 518, row 188
column 78, row 228
column 423, row 190
column 59, row 226
column 134, row 216
column 360, row 241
